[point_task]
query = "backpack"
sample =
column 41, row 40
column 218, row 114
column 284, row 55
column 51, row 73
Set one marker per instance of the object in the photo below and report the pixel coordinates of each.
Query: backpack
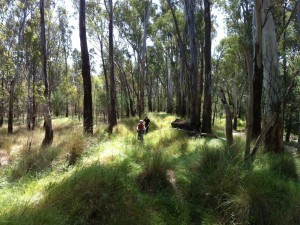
column 141, row 126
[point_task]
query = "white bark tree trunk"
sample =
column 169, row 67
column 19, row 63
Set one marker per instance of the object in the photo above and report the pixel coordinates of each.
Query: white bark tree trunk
column 272, row 83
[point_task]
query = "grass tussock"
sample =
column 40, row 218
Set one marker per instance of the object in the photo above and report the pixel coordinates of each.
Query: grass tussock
column 74, row 147
column 153, row 176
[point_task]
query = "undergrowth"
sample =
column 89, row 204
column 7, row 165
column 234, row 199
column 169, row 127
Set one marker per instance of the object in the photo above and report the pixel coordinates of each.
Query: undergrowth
column 169, row 178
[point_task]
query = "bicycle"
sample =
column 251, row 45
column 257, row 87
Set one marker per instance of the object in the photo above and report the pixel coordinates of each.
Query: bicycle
column 141, row 135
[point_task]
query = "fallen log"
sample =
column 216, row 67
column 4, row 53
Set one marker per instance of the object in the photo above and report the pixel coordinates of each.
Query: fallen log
column 191, row 129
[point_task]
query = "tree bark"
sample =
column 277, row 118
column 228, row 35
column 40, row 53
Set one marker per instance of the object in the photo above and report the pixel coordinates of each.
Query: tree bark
column 207, row 104
column 169, row 84
column 272, row 84
column 258, row 69
column 193, row 69
column 113, row 110
column 229, row 136
column 86, row 76
column 48, row 139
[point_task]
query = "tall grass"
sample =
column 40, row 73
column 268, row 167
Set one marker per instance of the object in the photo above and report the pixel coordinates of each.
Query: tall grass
column 170, row 179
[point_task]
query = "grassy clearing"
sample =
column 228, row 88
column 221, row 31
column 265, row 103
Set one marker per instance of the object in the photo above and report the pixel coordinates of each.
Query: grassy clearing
column 169, row 178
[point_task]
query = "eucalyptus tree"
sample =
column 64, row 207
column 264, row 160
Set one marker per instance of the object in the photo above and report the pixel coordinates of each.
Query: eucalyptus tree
column 207, row 104
column 46, row 106
column 86, row 76
column 112, row 103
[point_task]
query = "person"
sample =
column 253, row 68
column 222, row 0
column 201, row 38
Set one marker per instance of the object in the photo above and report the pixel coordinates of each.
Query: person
column 140, row 129
column 147, row 123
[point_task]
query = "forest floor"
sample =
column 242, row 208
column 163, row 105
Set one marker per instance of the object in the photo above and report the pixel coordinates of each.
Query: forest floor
column 170, row 178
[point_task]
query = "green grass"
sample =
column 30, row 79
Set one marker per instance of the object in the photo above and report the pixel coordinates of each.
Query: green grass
column 169, row 178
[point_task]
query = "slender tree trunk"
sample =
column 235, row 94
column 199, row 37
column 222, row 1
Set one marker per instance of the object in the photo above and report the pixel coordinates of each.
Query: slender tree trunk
column 207, row 105
column 34, row 106
column 169, row 84
column 105, row 74
column 46, row 106
column 1, row 103
column 229, row 136
column 87, row 84
column 113, row 112
column 29, row 103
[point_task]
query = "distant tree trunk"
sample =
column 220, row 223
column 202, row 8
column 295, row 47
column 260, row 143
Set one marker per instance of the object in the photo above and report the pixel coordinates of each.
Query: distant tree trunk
column 112, row 104
column 298, row 132
column 229, row 136
column 33, row 113
column 207, row 104
column 105, row 74
column 272, row 84
column 11, row 106
column 1, row 103
column 169, row 84
column 258, row 70
column 249, row 125
column 46, row 106
column 86, row 76
column 235, row 102
column 29, row 103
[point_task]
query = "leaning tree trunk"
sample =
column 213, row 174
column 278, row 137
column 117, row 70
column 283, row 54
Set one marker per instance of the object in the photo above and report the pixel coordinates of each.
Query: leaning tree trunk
column 207, row 104
column 112, row 104
column 86, row 76
column 272, row 84
column 46, row 105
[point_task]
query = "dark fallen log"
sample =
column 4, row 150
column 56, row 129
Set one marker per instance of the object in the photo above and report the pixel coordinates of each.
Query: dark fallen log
column 191, row 129
column 180, row 124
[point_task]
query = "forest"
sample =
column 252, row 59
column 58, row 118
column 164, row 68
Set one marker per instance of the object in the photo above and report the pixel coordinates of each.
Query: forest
column 77, row 76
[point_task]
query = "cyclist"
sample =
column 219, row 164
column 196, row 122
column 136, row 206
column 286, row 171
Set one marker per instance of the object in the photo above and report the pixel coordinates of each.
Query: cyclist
column 140, row 129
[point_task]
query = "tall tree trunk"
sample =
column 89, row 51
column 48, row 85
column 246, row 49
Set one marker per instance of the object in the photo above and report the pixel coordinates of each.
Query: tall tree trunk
column 207, row 104
column 86, row 76
column 143, row 57
column 113, row 110
column 193, row 70
column 46, row 105
column 272, row 84
column 258, row 69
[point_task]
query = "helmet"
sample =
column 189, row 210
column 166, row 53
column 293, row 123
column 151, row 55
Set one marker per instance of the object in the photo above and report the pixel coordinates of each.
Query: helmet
column 141, row 121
